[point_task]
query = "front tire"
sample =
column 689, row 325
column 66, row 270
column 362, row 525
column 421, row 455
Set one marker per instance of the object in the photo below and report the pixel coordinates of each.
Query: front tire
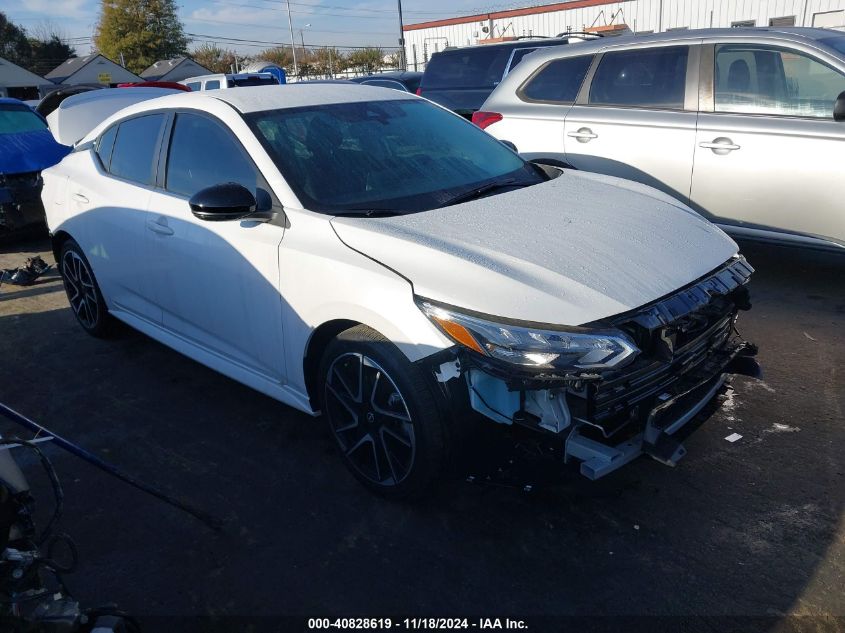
column 82, row 290
column 382, row 412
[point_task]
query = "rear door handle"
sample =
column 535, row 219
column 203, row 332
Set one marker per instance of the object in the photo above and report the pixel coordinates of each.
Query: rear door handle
column 583, row 135
column 80, row 198
column 157, row 227
column 721, row 145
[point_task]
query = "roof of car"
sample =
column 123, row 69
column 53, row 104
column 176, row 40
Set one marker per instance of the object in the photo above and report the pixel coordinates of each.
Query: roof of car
column 390, row 74
column 259, row 98
column 794, row 34
column 522, row 42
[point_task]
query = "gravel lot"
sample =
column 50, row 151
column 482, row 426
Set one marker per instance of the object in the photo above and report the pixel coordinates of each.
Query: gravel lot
column 743, row 530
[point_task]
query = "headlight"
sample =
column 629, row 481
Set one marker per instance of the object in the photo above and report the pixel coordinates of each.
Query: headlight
column 533, row 347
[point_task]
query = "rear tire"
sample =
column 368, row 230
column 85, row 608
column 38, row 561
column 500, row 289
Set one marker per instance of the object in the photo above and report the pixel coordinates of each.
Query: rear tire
column 383, row 415
column 83, row 293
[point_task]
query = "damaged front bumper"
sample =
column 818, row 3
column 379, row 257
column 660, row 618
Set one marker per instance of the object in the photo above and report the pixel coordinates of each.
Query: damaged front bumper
column 689, row 345
column 20, row 201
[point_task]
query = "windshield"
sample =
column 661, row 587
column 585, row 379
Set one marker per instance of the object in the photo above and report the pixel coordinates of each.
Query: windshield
column 398, row 156
column 836, row 43
column 19, row 118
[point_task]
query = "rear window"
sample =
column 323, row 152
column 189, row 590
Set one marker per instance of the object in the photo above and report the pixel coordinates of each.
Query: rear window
column 477, row 67
column 644, row 78
column 558, row 81
column 836, row 43
column 19, row 118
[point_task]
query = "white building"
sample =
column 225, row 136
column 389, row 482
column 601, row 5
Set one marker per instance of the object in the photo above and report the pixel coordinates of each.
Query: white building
column 19, row 83
column 175, row 69
column 613, row 17
column 91, row 69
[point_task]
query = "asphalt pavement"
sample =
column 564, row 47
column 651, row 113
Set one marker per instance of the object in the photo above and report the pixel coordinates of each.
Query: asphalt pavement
column 744, row 535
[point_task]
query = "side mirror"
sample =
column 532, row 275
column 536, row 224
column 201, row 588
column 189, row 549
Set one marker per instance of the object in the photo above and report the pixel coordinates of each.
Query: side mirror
column 510, row 145
column 219, row 203
column 839, row 107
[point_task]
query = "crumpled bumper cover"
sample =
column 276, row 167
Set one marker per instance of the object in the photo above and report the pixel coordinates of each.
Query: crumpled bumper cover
column 20, row 201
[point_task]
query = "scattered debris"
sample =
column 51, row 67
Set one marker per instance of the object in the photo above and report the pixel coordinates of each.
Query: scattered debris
column 636, row 527
column 782, row 428
column 27, row 274
column 809, row 337
column 733, row 437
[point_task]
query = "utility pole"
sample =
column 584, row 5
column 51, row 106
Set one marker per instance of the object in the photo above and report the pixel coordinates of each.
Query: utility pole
column 402, row 60
column 292, row 42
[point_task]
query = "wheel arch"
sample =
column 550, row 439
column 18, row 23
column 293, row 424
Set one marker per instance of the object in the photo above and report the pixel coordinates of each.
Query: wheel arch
column 57, row 241
column 314, row 349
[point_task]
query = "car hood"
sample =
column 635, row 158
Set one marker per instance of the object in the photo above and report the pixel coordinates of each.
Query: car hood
column 30, row 151
column 569, row 251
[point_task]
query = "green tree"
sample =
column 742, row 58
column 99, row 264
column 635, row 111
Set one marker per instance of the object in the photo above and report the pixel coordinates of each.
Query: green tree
column 216, row 59
column 14, row 44
column 144, row 31
column 366, row 60
column 48, row 53
column 280, row 55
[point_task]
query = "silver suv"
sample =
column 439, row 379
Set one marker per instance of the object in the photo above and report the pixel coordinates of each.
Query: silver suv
column 747, row 126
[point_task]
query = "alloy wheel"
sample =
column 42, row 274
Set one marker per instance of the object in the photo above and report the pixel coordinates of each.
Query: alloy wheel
column 370, row 419
column 81, row 291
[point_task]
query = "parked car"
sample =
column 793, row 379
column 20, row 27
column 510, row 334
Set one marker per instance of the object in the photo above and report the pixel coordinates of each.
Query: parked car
column 744, row 125
column 462, row 78
column 27, row 148
column 407, row 81
column 54, row 98
column 222, row 81
column 363, row 253
column 173, row 85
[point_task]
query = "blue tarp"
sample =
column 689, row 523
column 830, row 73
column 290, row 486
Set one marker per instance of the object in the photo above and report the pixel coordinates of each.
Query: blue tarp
column 29, row 151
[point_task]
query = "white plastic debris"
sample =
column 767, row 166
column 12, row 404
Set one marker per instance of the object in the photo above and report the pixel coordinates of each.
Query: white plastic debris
column 733, row 437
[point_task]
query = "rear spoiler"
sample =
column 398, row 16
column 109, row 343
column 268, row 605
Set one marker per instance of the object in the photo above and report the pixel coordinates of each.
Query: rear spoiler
column 79, row 114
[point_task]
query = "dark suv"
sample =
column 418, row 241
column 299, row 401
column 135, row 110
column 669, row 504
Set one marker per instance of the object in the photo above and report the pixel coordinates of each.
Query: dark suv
column 462, row 78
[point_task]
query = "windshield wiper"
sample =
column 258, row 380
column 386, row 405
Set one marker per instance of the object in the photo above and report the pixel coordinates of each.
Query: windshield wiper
column 365, row 212
column 478, row 192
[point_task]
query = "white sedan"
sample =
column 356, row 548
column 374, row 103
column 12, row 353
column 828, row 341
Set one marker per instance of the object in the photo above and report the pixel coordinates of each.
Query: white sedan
column 364, row 253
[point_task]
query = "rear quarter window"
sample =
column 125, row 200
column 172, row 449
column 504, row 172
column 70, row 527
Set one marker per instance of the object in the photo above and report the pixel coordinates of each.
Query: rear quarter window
column 558, row 81
column 105, row 145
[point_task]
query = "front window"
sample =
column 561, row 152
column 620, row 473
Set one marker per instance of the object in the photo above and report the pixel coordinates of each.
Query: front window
column 397, row 156
column 202, row 154
column 754, row 79
column 16, row 118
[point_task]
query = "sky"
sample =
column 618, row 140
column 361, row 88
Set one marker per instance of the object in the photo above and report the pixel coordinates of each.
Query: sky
column 316, row 22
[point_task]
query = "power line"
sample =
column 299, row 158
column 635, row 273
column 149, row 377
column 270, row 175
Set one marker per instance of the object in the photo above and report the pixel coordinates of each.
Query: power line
column 328, row 6
column 245, row 42
column 268, row 26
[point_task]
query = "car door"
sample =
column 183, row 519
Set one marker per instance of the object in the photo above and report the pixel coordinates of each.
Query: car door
column 112, row 198
column 218, row 282
column 635, row 117
column 768, row 153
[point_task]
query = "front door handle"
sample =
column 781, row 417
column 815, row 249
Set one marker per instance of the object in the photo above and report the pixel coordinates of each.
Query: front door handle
column 721, row 145
column 80, row 198
column 583, row 135
column 157, row 227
